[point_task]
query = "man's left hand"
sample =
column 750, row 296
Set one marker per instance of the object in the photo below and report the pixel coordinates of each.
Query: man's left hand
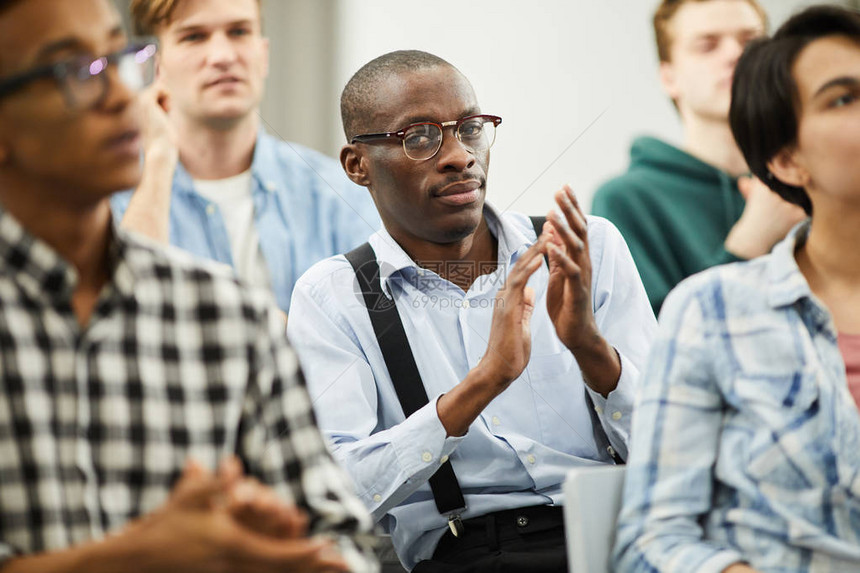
column 568, row 296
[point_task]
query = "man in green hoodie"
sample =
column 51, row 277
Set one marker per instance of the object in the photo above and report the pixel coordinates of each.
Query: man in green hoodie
column 684, row 210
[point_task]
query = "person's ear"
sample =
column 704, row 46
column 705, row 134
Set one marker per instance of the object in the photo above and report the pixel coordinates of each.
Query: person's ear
column 789, row 169
column 355, row 164
column 668, row 80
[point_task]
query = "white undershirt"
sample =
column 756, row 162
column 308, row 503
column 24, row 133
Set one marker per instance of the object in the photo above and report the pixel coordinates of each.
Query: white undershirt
column 234, row 199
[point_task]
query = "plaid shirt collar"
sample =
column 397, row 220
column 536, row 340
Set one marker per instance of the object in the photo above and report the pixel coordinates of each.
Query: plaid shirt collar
column 43, row 275
column 787, row 286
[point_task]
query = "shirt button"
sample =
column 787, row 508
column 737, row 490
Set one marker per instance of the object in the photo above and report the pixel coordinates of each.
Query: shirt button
column 496, row 421
column 443, row 459
column 465, row 304
column 427, row 457
column 271, row 187
column 377, row 498
column 522, row 521
column 420, row 272
column 598, row 409
column 616, row 416
column 531, row 459
column 210, row 209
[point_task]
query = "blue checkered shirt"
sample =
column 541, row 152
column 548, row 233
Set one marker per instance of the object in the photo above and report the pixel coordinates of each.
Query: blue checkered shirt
column 745, row 440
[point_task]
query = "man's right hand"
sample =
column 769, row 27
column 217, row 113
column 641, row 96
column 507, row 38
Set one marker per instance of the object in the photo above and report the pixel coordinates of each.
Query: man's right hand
column 206, row 526
column 202, row 528
column 510, row 343
column 160, row 141
column 766, row 220
column 508, row 348
column 148, row 211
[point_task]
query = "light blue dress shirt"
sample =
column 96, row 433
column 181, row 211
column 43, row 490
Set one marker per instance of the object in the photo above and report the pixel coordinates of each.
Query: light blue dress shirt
column 746, row 440
column 519, row 449
column 305, row 210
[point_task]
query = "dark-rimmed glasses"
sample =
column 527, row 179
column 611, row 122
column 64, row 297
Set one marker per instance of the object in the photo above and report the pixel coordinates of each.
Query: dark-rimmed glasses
column 422, row 140
column 83, row 81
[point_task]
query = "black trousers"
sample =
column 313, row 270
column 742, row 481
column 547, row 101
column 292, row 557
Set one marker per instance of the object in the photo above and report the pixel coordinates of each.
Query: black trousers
column 529, row 539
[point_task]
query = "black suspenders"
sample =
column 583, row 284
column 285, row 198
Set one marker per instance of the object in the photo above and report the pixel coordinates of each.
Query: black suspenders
column 403, row 371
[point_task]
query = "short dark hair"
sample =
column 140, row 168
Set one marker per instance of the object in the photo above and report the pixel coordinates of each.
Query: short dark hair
column 6, row 4
column 357, row 96
column 765, row 100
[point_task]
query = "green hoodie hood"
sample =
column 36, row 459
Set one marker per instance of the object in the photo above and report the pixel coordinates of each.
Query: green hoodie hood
column 674, row 211
column 676, row 171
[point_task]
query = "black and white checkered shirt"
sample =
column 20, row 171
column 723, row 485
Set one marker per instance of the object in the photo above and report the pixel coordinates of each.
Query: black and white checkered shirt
column 178, row 360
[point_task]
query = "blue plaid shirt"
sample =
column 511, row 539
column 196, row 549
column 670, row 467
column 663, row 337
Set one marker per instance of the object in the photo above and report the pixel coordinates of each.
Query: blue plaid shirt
column 745, row 440
column 305, row 210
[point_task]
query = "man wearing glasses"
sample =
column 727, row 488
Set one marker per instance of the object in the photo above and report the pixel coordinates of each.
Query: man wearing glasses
column 231, row 192
column 528, row 368
column 120, row 362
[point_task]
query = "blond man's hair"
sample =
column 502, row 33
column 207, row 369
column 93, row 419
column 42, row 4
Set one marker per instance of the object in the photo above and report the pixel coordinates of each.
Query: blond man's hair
column 663, row 18
column 148, row 17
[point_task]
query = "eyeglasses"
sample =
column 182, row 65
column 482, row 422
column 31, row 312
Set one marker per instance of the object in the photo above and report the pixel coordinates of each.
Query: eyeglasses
column 422, row 140
column 84, row 82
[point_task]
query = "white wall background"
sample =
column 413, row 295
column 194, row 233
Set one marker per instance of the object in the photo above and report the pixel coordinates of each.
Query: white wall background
column 574, row 80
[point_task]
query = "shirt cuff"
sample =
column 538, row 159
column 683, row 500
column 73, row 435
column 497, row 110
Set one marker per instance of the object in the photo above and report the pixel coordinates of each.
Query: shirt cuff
column 616, row 409
column 422, row 442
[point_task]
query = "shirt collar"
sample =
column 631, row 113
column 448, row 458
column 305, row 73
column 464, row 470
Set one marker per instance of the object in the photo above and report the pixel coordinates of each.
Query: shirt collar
column 264, row 168
column 43, row 274
column 786, row 284
column 395, row 262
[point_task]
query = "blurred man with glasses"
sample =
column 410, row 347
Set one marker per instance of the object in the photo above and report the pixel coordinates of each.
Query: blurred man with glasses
column 230, row 191
column 527, row 348
column 129, row 374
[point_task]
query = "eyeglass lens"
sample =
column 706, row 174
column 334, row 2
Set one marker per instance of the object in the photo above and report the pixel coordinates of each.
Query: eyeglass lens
column 86, row 83
column 424, row 140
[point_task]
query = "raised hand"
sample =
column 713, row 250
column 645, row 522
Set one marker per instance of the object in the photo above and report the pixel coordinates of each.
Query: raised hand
column 508, row 348
column 510, row 343
column 766, row 220
column 160, row 140
column 568, row 297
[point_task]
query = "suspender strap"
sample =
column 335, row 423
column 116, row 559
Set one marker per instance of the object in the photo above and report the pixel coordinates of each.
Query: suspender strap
column 401, row 366
column 404, row 374
column 600, row 437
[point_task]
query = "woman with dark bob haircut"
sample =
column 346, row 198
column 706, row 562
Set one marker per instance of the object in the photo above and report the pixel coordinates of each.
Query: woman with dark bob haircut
column 745, row 452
